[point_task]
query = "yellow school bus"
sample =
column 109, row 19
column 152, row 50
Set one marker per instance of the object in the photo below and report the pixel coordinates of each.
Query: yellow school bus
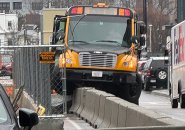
column 102, row 48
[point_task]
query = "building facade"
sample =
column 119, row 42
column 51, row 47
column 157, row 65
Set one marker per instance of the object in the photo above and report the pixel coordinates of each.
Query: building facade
column 47, row 19
column 22, row 7
column 8, row 28
column 180, row 10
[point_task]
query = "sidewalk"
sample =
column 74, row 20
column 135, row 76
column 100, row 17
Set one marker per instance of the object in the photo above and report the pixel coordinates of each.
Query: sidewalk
column 161, row 92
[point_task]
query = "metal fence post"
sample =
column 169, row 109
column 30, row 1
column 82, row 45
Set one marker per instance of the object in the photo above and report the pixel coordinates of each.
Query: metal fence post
column 64, row 83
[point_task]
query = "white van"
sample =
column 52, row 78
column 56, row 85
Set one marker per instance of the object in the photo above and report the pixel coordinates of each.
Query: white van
column 177, row 72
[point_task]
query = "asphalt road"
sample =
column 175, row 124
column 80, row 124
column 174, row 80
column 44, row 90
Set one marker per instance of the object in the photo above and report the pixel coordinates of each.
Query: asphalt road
column 74, row 123
column 161, row 104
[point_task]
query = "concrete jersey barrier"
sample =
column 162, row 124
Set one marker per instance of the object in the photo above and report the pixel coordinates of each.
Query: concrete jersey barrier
column 105, row 111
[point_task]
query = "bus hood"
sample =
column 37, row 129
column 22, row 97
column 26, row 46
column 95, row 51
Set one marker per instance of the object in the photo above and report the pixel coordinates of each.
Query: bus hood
column 99, row 48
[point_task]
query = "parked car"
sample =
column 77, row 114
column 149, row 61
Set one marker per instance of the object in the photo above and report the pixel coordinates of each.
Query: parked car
column 6, row 65
column 8, row 118
column 155, row 73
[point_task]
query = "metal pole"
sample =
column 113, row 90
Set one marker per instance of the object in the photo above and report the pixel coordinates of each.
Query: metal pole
column 150, row 27
column 67, row 3
column 145, row 12
column 25, row 37
column 64, row 84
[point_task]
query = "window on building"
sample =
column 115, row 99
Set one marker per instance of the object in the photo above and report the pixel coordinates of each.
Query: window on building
column 167, row 3
column 55, row 3
column 50, row 39
column 37, row 5
column 10, row 42
column 17, row 5
column 5, row 6
column 9, row 24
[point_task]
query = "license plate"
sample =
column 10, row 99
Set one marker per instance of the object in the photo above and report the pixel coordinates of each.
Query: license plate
column 5, row 77
column 97, row 73
column 152, row 81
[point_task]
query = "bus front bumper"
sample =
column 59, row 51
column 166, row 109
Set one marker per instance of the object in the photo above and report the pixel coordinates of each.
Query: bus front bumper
column 100, row 76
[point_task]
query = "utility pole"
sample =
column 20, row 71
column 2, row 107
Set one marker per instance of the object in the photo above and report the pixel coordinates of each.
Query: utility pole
column 150, row 27
column 25, row 36
column 67, row 3
column 145, row 11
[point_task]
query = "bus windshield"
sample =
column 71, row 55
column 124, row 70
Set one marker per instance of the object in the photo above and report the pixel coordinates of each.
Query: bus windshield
column 93, row 29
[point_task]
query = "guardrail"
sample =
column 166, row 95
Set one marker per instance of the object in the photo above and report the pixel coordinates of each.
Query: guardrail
column 103, row 110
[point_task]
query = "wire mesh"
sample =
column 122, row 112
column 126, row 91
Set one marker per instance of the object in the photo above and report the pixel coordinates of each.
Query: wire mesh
column 43, row 83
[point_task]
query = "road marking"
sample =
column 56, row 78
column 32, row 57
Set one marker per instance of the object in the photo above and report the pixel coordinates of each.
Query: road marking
column 74, row 124
column 156, row 103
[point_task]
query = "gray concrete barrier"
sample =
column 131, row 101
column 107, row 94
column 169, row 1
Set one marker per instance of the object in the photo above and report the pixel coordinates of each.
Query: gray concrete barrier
column 104, row 110
column 97, row 96
column 92, row 106
column 148, row 128
column 89, row 105
column 138, row 116
column 122, row 112
column 114, row 112
column 111, row 110
column 76, row 99
column 101, row 111
column 82, row 100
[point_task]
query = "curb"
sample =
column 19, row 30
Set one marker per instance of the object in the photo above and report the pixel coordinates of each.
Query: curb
column 160, row 93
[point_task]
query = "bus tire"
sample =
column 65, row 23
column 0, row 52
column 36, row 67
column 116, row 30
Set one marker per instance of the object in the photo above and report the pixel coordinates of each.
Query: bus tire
column 131, row 92
column 182, row 100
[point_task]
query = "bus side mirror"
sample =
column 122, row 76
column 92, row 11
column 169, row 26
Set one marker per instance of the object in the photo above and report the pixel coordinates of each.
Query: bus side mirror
column 143, row 29
column 138, row 41
column 60, row 35
column 142, row 41
column 135, row 40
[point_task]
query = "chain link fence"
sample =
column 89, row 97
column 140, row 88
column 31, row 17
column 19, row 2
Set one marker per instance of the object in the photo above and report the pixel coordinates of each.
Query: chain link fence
column 43, row 84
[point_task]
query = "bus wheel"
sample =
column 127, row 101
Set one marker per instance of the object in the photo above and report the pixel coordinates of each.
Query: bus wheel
column 174, row 103
column 182, row 100
column 130, row 93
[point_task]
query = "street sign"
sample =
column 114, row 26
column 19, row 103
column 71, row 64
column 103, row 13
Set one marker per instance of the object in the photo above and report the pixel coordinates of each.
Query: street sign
column 47, row 57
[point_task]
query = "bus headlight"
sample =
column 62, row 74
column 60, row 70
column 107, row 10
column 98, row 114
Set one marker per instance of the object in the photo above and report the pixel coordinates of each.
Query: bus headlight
column 128, row 64
column 69, row 61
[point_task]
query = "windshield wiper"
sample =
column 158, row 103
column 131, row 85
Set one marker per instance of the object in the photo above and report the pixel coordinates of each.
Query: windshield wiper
column 72, row 31
column 111, row 41
column 124, row 44
column 79, row 41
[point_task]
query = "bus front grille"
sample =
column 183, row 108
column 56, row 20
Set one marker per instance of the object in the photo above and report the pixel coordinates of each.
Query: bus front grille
column 97, row 59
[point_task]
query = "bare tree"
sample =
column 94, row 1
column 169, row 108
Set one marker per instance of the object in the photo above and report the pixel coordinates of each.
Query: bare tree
column 159, row 12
